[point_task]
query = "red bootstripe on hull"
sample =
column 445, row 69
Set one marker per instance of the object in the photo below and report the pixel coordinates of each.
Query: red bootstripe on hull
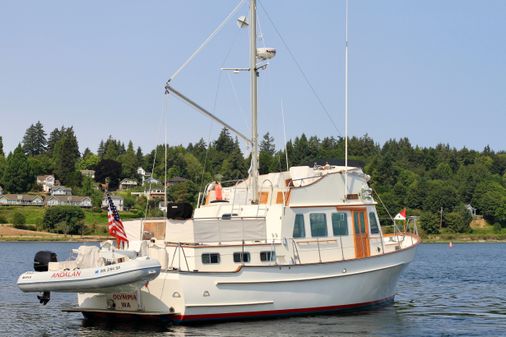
column 284, row 312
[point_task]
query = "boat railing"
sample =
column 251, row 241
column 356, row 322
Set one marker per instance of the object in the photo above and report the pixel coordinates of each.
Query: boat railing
column 265, row 206
column 409, row 230
column 178, row 251
column 286, row 251
column 295, row 183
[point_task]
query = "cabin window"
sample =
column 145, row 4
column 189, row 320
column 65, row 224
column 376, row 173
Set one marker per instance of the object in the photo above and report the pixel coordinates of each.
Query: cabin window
column 209, row 258
column 340, row 224
column 318, row 223
column 242, row 257
column 373, row 223
column 298, row 227
column 267, row 256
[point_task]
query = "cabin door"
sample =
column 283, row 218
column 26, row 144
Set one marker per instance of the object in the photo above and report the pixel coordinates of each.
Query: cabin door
column 361, row 234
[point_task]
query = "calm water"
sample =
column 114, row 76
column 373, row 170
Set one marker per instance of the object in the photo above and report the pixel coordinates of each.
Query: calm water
column 444, row 292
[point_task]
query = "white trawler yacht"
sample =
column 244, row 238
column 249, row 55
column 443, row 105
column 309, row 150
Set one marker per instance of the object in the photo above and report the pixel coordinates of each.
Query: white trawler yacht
column 303, row 241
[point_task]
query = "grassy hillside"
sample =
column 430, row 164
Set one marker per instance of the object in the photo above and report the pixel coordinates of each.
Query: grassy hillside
column 34, row 215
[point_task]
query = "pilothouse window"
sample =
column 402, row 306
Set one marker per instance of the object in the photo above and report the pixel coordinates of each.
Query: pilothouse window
column 340, row 224
column 242, row 257
column 208, row 258
column 298, row 227
column 374, row 223
column 318, row 223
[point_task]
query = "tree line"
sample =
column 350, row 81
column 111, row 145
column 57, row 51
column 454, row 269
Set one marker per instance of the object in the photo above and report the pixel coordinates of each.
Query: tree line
column 422, row 179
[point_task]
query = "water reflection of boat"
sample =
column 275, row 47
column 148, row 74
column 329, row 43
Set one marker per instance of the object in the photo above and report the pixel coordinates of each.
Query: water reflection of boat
column 307, row 240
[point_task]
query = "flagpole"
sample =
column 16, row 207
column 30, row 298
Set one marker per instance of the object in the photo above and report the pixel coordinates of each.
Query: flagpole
column 346, row 106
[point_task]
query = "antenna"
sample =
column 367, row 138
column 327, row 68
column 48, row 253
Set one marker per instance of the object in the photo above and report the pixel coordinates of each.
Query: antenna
column 165, row 159
column 346, row 106
column 284, row 133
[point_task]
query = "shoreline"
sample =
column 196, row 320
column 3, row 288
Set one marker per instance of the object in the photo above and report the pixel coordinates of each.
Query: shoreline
column 46, row 238
column 49, row 237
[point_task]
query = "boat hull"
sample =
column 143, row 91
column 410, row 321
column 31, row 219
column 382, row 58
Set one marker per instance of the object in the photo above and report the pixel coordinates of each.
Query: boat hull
column 126, row 276
column 264, row 291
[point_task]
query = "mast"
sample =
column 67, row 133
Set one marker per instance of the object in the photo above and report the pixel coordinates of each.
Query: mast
column 346, row 105
column 253, row 74
column 165, row 166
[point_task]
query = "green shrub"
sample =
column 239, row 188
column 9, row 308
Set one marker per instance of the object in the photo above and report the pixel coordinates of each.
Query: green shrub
column 430, row 222
column 497, row 227
column 458, row 221
column 3, row 219
column 64, row 219
column 18, row 220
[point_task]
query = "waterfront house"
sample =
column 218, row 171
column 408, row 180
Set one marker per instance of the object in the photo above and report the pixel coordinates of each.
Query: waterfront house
column 21, row 200
column 116, row 199
column 88, row 173
column 69, row 200
column 61, row 190
column 175, row 180
column 471, row 210
column 152, row 181
column 46, row 181
column 127, row 183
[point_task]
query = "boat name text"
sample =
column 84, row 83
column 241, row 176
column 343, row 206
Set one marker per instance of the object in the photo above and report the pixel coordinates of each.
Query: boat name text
column 66, row 273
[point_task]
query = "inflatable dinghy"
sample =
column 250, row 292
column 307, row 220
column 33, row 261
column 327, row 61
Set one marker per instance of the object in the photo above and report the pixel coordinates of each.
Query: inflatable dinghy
column 90, row 272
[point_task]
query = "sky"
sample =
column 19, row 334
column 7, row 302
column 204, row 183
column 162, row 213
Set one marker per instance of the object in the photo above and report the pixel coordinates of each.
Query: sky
column 433, row 71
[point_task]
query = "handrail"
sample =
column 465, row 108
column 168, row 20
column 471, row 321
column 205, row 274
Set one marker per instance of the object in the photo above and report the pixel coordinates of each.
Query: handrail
column 232, row 217
column 295, row 249
column 179, row 249
column 319, row 254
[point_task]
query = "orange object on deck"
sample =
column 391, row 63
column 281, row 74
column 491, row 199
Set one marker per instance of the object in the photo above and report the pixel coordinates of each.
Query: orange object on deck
column 218, row 192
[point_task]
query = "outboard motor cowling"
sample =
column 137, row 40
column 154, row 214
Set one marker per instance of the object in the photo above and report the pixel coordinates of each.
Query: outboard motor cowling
column 179, row 211
column 42, row 259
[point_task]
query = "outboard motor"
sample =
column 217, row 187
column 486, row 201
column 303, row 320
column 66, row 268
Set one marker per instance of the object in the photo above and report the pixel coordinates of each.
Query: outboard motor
column 179, row 211
column 40, row 264
column 42, row 259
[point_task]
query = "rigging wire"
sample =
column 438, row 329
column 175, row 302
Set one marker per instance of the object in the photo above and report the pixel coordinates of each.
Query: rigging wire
column 261, row 37
column 206, row 41
column 306, row 79
column 215, row 102
column 284, row 134
column 237, row 101
column 165, row 105
column 386, row 209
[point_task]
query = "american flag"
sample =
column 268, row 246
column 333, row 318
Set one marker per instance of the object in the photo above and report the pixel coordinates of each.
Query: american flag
column 116, row 228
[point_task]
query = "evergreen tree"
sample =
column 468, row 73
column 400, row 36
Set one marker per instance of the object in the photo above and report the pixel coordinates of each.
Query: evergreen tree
column 266, row 155
column 54, row 137
column 199, row 150
column 65, row 156
column 34, row 141
column 101, row 149
column 108, row 170
column 112, row 149
column 18, row 176
column 128, row 162
column 267, row 144
column 2, row 161
column 2, row 169
column 224, row 143
column 300, row 154
column 41, row 164
column 139, row 162
column 234, row 166
column 88, row 161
